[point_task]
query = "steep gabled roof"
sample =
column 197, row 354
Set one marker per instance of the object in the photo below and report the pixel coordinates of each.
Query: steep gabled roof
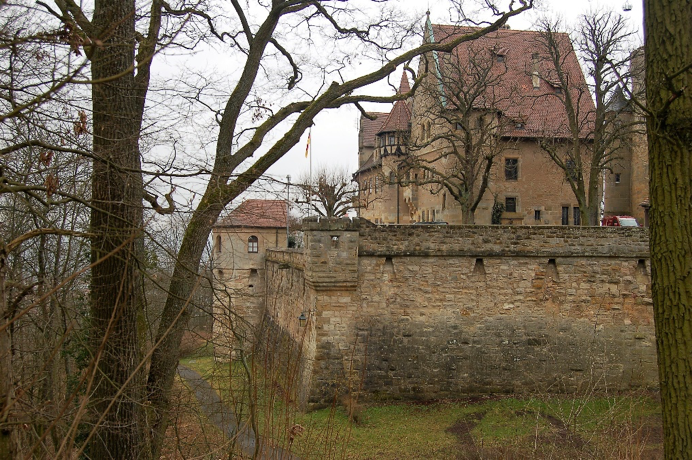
column 370, row 128
column 256, row 213
column 538, row 112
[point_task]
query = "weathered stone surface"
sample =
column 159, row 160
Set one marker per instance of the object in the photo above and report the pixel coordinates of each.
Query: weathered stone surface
column 436, row 312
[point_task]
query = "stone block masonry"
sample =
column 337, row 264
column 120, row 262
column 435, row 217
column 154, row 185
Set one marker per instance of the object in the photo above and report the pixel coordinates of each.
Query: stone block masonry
column 428, row 312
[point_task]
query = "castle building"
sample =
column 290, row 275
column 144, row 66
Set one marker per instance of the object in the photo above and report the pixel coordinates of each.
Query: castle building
column 468, row 146
column 627, row 184
column 241, row 240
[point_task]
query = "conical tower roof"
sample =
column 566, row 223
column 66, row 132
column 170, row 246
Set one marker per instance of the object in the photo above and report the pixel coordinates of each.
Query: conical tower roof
column 399, row 118
column 404, row 87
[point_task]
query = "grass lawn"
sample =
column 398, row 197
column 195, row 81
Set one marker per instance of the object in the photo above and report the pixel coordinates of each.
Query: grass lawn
column 550, row 426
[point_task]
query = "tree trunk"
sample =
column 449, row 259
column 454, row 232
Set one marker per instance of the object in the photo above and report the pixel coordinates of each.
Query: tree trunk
column 669, row 125
column 467, row 216
column 593, row 199
column 176, row 313
column 7, row 445
column 116, row 221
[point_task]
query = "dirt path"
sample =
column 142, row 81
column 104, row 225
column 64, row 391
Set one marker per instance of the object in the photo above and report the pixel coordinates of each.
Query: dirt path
column 223, row 418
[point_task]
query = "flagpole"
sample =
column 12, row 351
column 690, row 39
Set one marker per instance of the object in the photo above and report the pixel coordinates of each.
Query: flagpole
column 310, row 173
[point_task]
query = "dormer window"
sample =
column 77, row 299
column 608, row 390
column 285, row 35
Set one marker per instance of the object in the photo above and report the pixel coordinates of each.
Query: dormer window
column 519, row 125
column 500, row 57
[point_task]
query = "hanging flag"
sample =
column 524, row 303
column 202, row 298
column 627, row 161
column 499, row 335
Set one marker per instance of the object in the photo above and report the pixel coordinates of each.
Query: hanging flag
column 307, row 147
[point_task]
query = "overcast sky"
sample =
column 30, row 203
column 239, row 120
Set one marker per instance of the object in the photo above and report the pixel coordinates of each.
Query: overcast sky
column 335, row 134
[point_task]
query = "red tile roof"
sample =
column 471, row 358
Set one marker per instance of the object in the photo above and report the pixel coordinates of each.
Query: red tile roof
column 370, row 128
column 539, row 110
column 399, row 118
column 256, row 213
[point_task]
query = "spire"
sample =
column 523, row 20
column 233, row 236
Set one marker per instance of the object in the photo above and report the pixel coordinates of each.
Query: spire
column 404, row 86
column 429, row 28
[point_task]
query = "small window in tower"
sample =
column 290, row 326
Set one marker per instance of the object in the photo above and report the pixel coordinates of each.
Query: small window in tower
column 617, row 178
column 218, row 244
column 252, row 244
column 537, row 214
column 576, row 216
column 392, row 178
column 511, row 204
column 335, row 241
column 565, row 215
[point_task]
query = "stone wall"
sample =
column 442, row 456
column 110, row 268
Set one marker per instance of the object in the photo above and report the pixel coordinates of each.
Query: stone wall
column 444, row 311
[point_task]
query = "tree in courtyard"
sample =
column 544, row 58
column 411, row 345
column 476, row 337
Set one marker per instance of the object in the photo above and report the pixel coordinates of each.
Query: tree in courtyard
column 597, row 133
column 462, row 126
column 127, row 385
column 328, row 193
column 668, row 51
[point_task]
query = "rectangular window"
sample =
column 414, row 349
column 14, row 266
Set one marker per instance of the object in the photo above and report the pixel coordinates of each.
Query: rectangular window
column 252, row 244
column 390, row 139
column 510, row 204
column 511, row 168
column 565, row 215
column 537, row 214
column 617, row 178
column 576, row 217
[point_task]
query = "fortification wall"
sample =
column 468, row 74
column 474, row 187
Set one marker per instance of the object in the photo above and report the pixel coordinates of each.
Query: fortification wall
column 444, row 311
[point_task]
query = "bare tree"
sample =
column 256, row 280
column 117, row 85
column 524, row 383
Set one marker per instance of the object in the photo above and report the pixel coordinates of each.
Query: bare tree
column 127, row 386
column 329, row 193
column 463, row 126
column 597, row 133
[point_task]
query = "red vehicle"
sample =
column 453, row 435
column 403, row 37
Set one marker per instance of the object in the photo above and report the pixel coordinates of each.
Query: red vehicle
column 619, row 221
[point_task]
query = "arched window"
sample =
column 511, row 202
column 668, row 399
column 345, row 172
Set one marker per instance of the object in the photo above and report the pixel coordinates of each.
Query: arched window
column 218, row 244
column 252, row 244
